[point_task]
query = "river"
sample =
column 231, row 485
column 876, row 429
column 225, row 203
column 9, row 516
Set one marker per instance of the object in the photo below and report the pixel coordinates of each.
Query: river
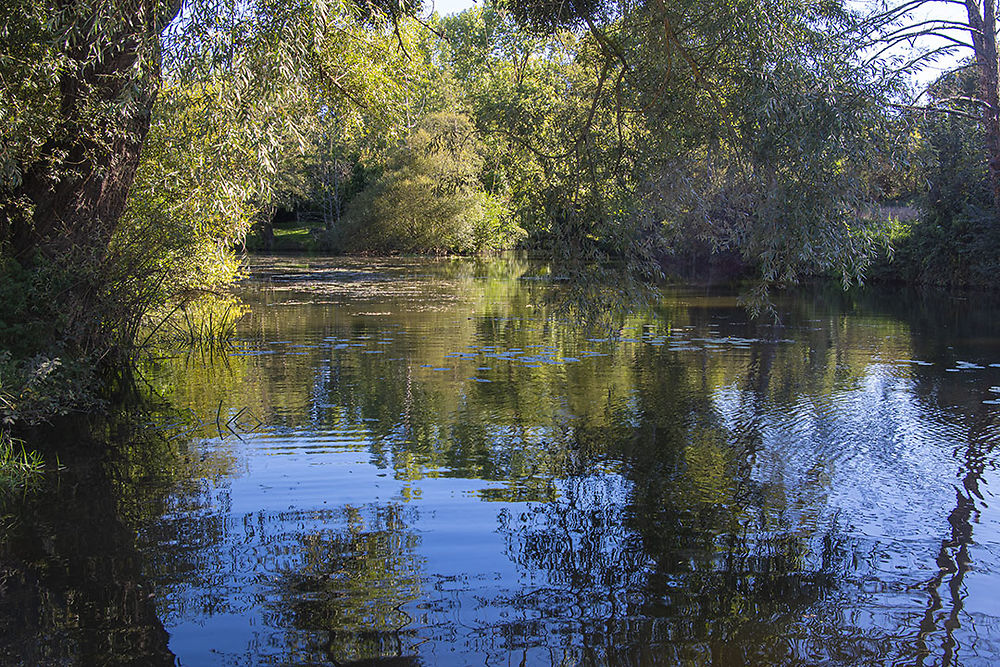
column 450, row 462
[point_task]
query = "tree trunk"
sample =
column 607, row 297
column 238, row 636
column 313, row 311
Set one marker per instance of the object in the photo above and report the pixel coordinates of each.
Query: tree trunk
column 59, row 220
column 982, row 24
column 267, row 227
column 78, row 186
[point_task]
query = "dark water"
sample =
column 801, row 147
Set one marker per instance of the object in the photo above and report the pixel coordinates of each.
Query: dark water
column 439, row 463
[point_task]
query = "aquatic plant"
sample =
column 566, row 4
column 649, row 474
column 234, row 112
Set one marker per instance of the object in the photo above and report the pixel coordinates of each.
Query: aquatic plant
column 18, row 466
column 207, row 321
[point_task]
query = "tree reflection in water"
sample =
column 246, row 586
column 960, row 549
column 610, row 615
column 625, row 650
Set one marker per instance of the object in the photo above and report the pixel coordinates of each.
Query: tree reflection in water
column 447, row 468
column 348, row 588
column 73, row 587
column 644, row 566
column 660, row 504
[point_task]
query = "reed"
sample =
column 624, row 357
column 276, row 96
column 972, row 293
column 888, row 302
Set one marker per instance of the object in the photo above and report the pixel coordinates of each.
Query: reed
column 18, row 467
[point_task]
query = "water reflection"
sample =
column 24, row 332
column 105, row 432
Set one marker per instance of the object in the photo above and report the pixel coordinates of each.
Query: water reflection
column 442, row 463
column 72, row 584
column 349, row 587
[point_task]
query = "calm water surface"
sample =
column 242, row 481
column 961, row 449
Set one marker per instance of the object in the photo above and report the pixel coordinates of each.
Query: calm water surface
column 439, row 463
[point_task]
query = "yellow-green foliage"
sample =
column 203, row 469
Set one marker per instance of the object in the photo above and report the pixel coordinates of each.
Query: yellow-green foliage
column 430, row 199
column 18, row 467
column 208, row 320
column 193, row 196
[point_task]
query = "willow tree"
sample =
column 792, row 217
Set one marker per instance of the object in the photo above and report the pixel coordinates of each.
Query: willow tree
column 136, row 137
column 80, row 88
column 907, row 36
column 748, row 125
column 80, row 80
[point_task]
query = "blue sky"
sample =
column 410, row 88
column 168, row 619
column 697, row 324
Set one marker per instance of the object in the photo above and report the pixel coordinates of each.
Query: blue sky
column 444, row 7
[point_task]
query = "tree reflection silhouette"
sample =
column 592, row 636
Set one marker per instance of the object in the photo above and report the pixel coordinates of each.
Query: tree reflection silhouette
column 349, row 587
column 73, row 588
column 682, row 557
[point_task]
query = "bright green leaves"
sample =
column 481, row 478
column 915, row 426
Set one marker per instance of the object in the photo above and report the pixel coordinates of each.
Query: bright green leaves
column 429, row 199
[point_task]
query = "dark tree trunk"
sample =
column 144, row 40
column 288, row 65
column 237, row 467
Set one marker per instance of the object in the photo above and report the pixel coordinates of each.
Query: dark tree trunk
column 78, row 186
column 267, row 227
column 59, row 220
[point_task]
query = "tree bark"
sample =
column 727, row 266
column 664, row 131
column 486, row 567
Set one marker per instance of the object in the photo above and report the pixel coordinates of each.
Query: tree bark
column 78, row 186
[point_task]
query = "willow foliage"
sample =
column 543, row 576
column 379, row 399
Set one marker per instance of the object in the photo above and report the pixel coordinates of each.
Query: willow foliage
column 430, row 198
column 749, row 126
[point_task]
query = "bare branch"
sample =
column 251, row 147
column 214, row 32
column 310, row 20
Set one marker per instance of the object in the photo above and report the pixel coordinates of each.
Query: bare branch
column 938, row 23
column 967, row 100
column 930, row 109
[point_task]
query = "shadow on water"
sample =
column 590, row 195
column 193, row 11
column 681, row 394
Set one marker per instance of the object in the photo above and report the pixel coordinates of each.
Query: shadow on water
column 72, row 582
column 437, row 463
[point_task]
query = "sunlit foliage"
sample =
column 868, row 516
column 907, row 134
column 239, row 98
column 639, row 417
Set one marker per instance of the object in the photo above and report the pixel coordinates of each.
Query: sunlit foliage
column 429, row 198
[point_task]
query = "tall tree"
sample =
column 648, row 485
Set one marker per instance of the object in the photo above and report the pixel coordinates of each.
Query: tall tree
column 747, row 125
column 933, row 31
column 80, row 83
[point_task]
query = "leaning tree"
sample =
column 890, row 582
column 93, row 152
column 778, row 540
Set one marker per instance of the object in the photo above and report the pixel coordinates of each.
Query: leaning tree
column 80, row 82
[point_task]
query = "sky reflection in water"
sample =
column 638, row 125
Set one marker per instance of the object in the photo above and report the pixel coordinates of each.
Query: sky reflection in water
column 433, row 461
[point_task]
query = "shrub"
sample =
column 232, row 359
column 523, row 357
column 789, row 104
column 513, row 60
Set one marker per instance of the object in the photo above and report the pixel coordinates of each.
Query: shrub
column 956, row 239
column 429, row 198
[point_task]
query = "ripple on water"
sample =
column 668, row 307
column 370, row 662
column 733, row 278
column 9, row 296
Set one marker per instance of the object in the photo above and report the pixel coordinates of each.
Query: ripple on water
column 691, row 489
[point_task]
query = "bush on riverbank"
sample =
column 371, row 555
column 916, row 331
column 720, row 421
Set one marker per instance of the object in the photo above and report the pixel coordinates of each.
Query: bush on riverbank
column 954, row 238
column 429, row 198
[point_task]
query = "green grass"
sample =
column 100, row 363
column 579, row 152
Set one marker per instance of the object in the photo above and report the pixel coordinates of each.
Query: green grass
column 18, row 467
column 299, row 233
column 293, row 238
